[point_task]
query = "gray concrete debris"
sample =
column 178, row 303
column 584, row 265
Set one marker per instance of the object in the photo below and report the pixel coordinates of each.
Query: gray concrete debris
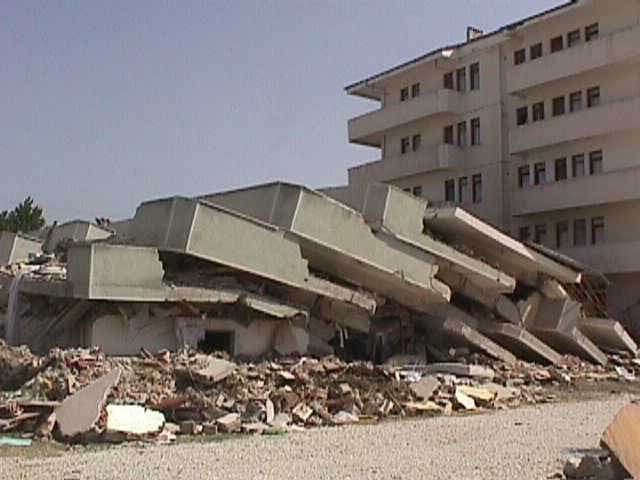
column 213, row 370
column 520, row 342
column 607, row 334
column 79, row 413
column 425, row 387
column 460, row 369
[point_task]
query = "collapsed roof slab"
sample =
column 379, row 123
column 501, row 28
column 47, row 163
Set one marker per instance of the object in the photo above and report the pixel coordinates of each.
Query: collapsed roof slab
column 393, row 214
column 459, row 227
column 520, row 342
column 336, row 240
column 607, row 334
column 16, row 247
column 216, row 234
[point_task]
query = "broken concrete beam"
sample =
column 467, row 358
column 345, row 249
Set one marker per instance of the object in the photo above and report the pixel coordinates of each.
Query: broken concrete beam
column 76, row 231
column 552, row 289
column 16, row 247
column 459, row 227
column 78, row 413
column 336, row 240
column 608, row 334
column 520, row 342
column 392, row 212
column 571, row 342
column 622, row 438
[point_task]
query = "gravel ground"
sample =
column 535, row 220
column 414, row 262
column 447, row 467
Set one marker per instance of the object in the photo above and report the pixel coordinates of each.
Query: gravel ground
column 526, row 443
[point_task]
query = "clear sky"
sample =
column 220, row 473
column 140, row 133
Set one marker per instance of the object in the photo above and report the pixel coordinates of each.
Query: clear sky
column 104, row 104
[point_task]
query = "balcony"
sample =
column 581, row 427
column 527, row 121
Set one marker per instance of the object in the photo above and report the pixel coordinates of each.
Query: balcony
column 620, row 257
column 368, row 129
column 610, row 187
column 443, row 157
column 590, row 122
column 617, row 47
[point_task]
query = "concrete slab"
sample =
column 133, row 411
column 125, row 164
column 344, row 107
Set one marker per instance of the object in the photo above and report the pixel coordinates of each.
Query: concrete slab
column 16, row 247
column 607, row 334
column 520, row 342
column 78, row 413
column 571, row 342
column 459, row 227
column 133, row 420
column 75, row 230
column 336, row 240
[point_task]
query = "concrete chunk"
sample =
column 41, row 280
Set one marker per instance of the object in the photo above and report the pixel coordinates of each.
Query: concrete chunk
column 425, row 387
column 607, row 334
column 133, row 419
column 460, row 369
column 477, row 340
column 78, row 413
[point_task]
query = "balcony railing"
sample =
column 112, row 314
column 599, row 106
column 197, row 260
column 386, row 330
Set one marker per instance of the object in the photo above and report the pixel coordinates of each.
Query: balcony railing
column 610, row 187
column 590, row 122
column 610, row 49
column 443, row 157
column 368, row 128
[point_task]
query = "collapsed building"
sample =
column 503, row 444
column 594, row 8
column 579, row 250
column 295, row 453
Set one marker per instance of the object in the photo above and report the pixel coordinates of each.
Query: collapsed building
column 285, row 269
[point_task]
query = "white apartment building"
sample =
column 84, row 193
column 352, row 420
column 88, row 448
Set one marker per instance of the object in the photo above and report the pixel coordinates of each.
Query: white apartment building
column 534, row 127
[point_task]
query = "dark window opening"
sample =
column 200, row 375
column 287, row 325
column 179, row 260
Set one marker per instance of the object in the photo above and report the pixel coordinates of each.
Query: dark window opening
column 462, row 134
column 577, row 162
column 474, row 74
column 558, row 106
column 575, row 101
column 597, row 230
column 562, row 234
column 448, row 81
column 416, row 142
column 463, row 190
column 539, row 173
column 524, row 176
column 561, row 169
column 522, row 116
column 535, row 51
column 591, row 32
column 538, row 111
column 595, row 162
column 557, row 44
column 476, row 181
column 447, row 135
column 580, row 232
column 593, row 97
column 540, row 235
column 524, row 233
column 217, row 341
column 461, row 79
column 573, row 38
column 475, row 131
column 404, row 145
column 415, row 90
column 519, row 56
column 404, row 94
column 417, row 191
column 450, row 191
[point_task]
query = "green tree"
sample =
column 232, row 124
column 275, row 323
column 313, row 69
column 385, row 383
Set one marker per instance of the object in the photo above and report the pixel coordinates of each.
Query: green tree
column 25, row 217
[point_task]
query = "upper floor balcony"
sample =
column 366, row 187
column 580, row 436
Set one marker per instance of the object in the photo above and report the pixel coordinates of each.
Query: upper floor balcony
column 617, row 257
column 591, row 122
column 616, row 47
column 442, row 157
column 368, row 129
column 609, row 187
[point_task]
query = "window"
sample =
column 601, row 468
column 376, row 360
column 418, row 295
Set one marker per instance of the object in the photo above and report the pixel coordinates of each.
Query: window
column 522, row 115
column 580, row 232
column 416, row 141
column 463, row 190
column 404, row 94
column 597, row 230
column 474, row 74
column 524, row 176
column 404, row 145
column 593, row 97
column 575, row 101
column 557, row 44
column 417, row 191
column 448, row 81
column 461, row 79
column 475, row 131
column 535, row 51
column 415, row 90
column 537, row 111
column 447, row 135
column 562, row 234
column 561, row 169
column 450, row 191
column 462, row 134
column 519, row 56
column 539, row 173
column 577, row 162
column 573, row 38
column 540, row 235
column 524, row 233
column 595, row 162
column 408, row 190
column 558, row 106
column 476, row 181
column 591, row 32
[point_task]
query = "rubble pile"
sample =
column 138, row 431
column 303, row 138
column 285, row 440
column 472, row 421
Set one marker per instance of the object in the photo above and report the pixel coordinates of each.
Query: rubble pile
column 124, row 397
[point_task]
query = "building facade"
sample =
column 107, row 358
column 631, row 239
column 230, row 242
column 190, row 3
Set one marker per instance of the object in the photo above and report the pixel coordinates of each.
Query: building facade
column 535, row 128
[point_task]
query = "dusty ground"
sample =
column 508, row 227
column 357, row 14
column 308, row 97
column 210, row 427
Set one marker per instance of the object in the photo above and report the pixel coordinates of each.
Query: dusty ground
column 526, row 443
